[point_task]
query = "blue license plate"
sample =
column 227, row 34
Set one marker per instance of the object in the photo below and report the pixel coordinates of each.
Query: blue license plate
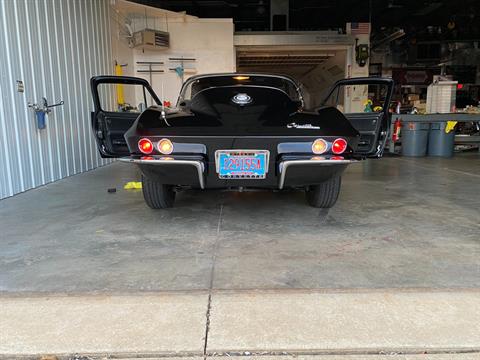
column 242, row 164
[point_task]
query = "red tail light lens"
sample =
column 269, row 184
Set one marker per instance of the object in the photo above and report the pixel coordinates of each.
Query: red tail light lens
column 145, row 146
column 339, row 146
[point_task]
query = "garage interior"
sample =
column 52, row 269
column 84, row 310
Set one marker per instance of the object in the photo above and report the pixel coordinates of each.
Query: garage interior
column 89, row 272
column 316, row 67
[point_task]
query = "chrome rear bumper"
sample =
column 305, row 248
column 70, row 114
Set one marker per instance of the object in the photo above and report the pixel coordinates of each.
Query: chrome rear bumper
column 292, row 170
column 170, row 161
column 307, row 163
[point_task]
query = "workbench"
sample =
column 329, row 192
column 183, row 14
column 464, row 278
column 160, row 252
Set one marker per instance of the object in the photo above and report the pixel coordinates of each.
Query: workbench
column 431, row 118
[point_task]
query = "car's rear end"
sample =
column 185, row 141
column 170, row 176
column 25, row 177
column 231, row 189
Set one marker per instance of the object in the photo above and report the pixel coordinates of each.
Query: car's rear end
column 265, row 143
column 243, row 131
column 215, row 162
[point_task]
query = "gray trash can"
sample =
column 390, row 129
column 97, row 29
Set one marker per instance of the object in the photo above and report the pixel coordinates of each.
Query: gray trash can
column 414, row 138
column 439, row 142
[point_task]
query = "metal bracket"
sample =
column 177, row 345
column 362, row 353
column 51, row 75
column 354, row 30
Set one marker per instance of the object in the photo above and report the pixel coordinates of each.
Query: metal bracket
column 40, row 112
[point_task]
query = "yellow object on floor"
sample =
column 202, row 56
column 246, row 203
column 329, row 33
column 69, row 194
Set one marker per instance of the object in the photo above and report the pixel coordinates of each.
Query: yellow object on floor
column 133, row 185
column 450, row 126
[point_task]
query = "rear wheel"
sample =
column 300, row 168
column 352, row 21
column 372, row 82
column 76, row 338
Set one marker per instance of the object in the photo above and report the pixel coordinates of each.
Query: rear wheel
column 157, row 195
column 324, row 195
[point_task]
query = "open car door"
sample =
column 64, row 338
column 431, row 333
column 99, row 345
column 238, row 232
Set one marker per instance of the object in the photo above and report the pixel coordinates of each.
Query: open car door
column 118, row 100
column 365, row 103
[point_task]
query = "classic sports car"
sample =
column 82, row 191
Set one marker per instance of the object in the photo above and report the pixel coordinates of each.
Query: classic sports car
column 243, row 131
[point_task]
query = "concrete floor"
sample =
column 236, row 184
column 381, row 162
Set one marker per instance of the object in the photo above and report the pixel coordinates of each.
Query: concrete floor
column 399, row 223
column 393, row 268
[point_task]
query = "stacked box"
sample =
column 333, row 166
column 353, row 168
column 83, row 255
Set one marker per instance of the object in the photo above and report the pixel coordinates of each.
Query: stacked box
column 413, row 97
column 421, row 106
column 441, row 97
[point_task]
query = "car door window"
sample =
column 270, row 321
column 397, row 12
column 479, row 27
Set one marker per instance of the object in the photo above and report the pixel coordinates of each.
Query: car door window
column 359, row 98
column 123, row 98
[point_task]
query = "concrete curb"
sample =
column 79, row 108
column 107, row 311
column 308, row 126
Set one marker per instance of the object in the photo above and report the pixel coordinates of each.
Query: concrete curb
column 285, row 325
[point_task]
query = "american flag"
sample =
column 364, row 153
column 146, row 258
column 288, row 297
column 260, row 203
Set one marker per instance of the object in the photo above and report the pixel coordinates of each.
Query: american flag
column 360, row 28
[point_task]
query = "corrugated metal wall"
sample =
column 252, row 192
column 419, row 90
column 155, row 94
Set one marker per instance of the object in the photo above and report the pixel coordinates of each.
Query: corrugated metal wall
column 54, row 47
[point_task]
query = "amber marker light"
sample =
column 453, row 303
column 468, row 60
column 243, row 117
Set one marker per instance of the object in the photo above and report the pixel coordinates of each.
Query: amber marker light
column 241, row 77
column 145, row 146
column 165, row 146
column 319, row 146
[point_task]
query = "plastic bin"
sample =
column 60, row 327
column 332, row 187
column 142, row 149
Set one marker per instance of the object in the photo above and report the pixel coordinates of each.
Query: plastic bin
column 414, row 138
column 439, row 142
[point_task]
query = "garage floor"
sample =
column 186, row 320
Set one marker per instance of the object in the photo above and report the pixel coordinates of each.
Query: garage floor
column 399, row 223
column 393, row 268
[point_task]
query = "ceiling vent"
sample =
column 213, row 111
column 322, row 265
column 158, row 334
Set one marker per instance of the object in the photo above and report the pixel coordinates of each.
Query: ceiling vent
column 151, row 39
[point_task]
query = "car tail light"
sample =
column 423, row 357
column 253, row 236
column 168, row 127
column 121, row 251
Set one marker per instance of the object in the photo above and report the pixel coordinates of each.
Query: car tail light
column 339, row 146
column 165, row 146
column 145, row 146
column 319, row 146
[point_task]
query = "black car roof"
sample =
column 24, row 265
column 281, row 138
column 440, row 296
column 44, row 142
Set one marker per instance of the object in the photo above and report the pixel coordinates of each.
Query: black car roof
column 286, row 77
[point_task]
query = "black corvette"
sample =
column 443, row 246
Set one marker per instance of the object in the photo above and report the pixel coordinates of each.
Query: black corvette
column 242, row 131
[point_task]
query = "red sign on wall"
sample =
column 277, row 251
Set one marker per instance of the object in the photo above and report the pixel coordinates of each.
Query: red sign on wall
column 413, row 76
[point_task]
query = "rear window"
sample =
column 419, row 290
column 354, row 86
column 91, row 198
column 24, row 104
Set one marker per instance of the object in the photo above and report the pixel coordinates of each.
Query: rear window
column 192, row 87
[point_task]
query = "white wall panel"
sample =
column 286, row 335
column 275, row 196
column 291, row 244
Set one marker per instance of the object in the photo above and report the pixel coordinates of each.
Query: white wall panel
column 54, row 47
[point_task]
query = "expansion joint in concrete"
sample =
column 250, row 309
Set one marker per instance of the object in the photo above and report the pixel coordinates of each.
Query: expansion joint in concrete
column 210, row 288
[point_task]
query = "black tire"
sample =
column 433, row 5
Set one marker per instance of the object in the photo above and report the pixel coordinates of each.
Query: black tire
column 324, row 195
column 157, row 195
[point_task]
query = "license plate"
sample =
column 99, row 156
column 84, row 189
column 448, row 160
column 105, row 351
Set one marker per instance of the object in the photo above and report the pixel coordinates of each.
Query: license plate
column 242, row 164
